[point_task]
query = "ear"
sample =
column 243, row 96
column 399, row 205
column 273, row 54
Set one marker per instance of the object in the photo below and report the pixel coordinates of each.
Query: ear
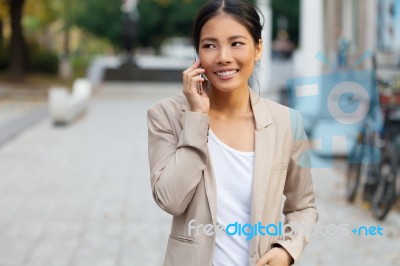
column 259, row 50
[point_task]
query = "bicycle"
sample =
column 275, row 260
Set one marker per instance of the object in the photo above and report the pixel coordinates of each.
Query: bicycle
column 362, row 161
column 387, row 189
column 364, row 157
column 377, row 152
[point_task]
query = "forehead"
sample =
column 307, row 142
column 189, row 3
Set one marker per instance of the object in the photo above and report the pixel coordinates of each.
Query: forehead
column 223, row 25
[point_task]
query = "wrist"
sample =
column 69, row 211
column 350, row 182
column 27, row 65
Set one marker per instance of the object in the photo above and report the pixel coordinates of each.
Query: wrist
column 289, row 258
column 200, row 111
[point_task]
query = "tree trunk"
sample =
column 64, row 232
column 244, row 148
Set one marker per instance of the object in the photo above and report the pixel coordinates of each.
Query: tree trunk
column 65, row 69
column 1, row 33
column 67, row 12
column 18, row 64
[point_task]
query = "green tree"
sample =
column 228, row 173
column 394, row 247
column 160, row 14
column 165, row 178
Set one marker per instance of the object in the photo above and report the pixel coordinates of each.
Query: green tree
column 290, row 10
column 18, row 64
column 35, row 14
column 3, row 15
column 160, row 19
column 38, row 14
column 102, row 18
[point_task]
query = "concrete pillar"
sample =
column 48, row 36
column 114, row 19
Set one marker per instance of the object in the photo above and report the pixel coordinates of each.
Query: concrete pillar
column 264, row 72
column 366, row 30
column 333, row 26
column 370, row 24
column 348, row 20
column 312, row 36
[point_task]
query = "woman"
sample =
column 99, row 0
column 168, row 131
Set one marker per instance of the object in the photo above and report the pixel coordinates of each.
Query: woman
column 221, row 157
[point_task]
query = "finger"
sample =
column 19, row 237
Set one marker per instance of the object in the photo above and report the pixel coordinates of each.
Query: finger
column 194, row 72
column 264, row 260
column 199, row 86
column 196, row 64
column 192, row 84
column 189, row 79
column 192, row 67
column 198, row 81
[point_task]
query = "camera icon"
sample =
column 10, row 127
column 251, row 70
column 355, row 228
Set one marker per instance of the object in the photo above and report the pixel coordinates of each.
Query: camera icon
column 335, row 108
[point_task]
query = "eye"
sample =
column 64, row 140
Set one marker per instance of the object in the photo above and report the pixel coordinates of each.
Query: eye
column 208, row 46
column 236, row 44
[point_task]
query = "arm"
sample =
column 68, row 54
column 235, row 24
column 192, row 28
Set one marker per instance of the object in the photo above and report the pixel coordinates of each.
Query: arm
column 299, row 207
column 176, row 165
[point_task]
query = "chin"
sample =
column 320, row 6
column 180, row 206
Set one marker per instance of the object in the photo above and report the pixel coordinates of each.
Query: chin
column 228, row 87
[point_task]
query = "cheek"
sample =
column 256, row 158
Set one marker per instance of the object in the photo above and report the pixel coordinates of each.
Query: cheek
column 205, row 62
column 248, row 66
column 247, row 58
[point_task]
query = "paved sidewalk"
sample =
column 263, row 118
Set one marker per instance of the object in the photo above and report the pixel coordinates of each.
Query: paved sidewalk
column 335, row 216
column 80, row 195
column 19, row 109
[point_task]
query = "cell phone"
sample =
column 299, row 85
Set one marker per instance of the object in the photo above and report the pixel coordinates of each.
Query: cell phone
column 200, row 84
column 206, row 80
column 202, row 74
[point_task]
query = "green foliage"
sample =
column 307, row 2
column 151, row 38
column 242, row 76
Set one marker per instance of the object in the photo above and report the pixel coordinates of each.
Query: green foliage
column 99, row 17
column 42, row 60
column 291, row 10
column 40, row 13
column 80, row 63
column 160, row 19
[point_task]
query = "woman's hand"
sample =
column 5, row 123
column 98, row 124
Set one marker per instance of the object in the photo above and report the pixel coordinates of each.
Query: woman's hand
column 275, row 257
column 197, row 97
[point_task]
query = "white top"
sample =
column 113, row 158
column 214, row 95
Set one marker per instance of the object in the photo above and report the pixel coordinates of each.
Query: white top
column 233, row 172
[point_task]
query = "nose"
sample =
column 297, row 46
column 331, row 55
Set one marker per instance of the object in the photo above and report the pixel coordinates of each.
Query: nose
column 224, row 56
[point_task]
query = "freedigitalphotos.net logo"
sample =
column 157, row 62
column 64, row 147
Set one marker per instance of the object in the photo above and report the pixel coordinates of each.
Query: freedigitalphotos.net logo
column 285, row 231
column 335, row 107
column 235, row 228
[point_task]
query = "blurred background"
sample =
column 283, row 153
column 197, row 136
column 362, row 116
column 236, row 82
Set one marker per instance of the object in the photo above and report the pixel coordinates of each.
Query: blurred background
column 76, row 80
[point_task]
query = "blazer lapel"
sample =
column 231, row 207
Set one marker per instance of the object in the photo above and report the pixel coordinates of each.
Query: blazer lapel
column 264, row 151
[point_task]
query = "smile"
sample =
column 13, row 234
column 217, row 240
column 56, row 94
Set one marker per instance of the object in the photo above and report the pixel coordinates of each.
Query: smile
column 226, row 73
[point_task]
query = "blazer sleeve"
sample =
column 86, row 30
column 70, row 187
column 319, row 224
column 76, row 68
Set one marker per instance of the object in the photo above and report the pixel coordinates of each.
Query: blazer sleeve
column 299, row 207
column 176, row 162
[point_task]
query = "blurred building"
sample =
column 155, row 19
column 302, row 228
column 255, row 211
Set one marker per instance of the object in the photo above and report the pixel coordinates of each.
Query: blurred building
column 350, row 27
column 341, row 41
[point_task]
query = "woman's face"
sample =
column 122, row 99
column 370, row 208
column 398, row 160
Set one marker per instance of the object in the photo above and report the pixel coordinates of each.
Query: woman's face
column 227, row 53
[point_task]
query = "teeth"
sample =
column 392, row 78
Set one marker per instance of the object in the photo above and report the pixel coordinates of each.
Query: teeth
column 226, row 73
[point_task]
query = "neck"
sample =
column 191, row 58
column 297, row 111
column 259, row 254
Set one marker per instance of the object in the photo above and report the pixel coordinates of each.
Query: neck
column 232, row 103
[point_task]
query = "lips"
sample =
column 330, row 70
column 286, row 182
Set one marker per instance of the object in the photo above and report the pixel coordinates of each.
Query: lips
column 226, row 73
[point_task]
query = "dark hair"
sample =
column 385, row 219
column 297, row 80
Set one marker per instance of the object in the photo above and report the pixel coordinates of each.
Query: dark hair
column 240, row 10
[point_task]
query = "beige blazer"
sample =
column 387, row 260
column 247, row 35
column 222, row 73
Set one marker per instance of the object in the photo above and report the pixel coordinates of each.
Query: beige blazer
column 183, row 182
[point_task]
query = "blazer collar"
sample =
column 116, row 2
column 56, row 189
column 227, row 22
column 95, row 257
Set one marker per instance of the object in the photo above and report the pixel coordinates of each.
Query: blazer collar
column 262, row 115
column 262, row 191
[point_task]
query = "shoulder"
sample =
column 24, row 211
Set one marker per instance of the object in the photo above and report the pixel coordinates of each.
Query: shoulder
column 287, row 121
column 277, row 108
column 284, row 119
column 288, row 118
column 280, row 112
column 174, row 104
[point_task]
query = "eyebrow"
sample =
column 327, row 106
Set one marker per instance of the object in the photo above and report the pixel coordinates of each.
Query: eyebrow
column 211, row 39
